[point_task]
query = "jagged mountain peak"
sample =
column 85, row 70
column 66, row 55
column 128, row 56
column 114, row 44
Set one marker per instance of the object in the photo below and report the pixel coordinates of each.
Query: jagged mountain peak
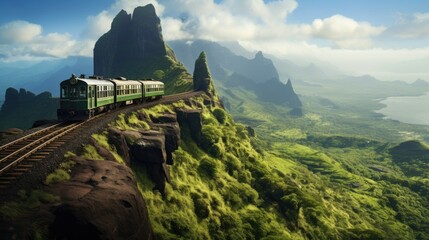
column 121, row 19
column 132, row 39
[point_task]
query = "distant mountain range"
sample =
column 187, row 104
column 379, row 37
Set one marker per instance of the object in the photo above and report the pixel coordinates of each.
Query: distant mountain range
column 42, row 76
column 257, row 74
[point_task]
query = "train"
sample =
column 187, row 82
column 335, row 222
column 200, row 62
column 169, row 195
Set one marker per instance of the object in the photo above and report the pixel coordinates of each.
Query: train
column 82, row 98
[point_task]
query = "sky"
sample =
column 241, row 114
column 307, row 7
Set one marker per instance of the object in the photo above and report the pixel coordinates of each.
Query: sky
column 387, row 39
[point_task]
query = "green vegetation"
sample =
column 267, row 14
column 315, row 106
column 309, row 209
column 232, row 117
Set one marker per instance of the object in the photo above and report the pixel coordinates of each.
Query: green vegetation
column 130, row 122
column 299, row 186
column 103, row 142
column 90, row 152
column 18, row 212
column 62, row 172
column 354, row 177
column 165, row 69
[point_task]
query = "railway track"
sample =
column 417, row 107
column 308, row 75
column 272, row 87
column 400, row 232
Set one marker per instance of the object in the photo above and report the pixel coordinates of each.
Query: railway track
column 18, row 157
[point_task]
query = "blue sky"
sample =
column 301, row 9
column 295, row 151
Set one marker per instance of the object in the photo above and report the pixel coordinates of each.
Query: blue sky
column 58, row 16
column 70, row 16
column 344, row 33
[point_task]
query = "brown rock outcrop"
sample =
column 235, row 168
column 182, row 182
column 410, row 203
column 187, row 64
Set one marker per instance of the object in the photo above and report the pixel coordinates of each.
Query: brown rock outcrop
column 150, row 148
column 191, row 119
column 100, row 201
column 172, row 138
column 117, row 139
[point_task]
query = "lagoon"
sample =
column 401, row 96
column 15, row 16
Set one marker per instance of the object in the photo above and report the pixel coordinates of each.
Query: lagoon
column 414, row 110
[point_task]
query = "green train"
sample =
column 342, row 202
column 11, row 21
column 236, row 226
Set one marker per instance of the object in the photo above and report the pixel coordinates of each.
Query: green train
column 82, row 98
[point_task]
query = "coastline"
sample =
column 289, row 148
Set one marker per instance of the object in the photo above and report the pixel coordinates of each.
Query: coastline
column 411, row 109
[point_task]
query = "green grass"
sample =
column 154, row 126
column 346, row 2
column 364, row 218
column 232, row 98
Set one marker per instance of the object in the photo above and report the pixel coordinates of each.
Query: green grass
column 342, row 154
column 90, row 152
column 102, row 140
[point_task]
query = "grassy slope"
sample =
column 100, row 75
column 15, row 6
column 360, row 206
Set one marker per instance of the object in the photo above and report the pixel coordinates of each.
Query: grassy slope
column 326, row 175
column 347, row 147
column 227, row 189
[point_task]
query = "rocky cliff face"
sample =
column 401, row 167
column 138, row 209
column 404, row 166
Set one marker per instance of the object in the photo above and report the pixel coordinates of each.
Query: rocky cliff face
column 132, row 39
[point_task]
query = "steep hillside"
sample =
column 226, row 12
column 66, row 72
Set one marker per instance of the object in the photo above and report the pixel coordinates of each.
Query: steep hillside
column 203, row 175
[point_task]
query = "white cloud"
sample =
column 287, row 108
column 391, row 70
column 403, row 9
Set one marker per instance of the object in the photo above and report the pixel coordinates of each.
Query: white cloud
column 19, row 32
column 341, row 31
column 259, row 20
column 229, row 19
column 173, row 29
column 411, row 27
column 97, row 25
column 339, row 27
column 21, row 40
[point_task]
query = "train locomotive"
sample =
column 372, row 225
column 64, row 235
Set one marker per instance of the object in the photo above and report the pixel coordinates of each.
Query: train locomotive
column 82, row 98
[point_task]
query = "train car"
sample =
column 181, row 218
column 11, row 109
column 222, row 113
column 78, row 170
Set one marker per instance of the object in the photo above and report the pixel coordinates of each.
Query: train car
column 127, row 91
column 82, row 98
column 152, row 89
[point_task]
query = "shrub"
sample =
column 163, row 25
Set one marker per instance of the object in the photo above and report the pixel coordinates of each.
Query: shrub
column 208, row 167
column 210, row 141
column 201, row 205
column 57, row 176
column 220, row 115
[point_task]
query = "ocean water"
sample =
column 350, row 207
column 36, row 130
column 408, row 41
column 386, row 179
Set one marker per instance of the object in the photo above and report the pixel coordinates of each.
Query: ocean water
column 414, row 110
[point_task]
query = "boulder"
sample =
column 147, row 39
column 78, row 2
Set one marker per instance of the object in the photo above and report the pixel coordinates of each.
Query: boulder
column 100, row 201
column 172, row 138
column 157, row 175
column 165, row 118
column 191, row 119
column 117, row 139
column 150, row 148
column 131, row 136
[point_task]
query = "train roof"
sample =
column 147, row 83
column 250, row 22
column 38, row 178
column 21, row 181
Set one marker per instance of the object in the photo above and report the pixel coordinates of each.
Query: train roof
column 125, row 82
column 151, row 82
column 104, row 82
column 98, row 82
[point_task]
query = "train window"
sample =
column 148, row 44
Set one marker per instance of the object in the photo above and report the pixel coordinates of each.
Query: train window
column 82, row 92
column 73, row 92
column 64, row 92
